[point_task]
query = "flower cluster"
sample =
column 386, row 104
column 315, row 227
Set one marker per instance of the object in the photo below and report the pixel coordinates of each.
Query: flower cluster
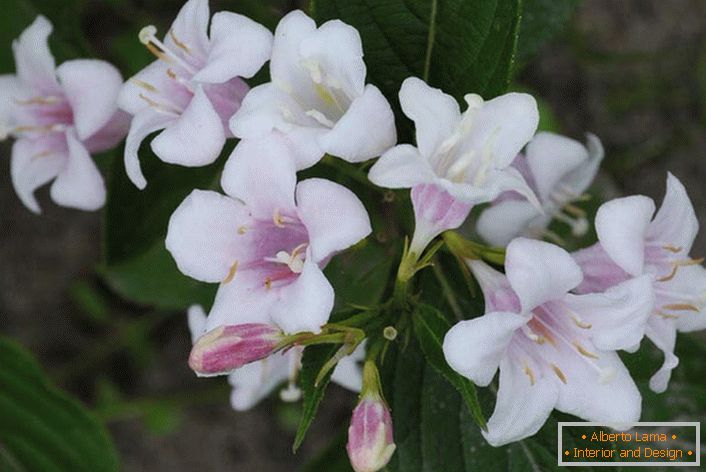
column 554, row 322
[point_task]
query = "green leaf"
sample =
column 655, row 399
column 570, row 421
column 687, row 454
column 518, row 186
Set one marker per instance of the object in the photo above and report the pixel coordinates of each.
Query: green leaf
column 460, row 46
column 42, row 428
column 541, row 21
column 430, row 327
column 313, row 360
column 433, row 433
column 333, row 458
column 136, row 263
column 152, row 278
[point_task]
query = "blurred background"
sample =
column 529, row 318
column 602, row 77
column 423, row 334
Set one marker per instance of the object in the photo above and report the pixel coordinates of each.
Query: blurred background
column 633, row 72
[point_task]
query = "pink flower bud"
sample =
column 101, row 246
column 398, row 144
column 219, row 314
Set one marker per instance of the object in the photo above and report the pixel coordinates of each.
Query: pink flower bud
column 435, row 211
column 226, row 348
column 370, row 444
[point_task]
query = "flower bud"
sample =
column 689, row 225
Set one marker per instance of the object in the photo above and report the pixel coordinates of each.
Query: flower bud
column 370, row 443
column 435, row 211
column 226, row 348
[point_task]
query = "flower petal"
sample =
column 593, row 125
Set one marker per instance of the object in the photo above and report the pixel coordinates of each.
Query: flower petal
column 366, row 130
column 79, row 184
column 203, row 235
column 663, row 333
column 260, row 112
column 190, row 29
column 579, row 179
column 501, row 222
column 599, row 270
column 521, row 408
column 336, row 51
column 92, row 89
column 474, row 348
column 305, row 304
column 10, row 90
column 505, row 123
column 539, row 272
column 110, row 134
column 285, row 64
column 239, row 48
column 675, row 223
column 435, row 114
column 550, row 157
column 151, row 82
column 621, row 225
column 194, row 139
column 34, row 61
column 262, row 174
column 401, row 167
column 618, row 317
column 255, row 381
column 196, row 318
column 615, row 400
column 242, row 300
column 334, row 217
column 690, row 280
column 35, row 162
column 142, row 125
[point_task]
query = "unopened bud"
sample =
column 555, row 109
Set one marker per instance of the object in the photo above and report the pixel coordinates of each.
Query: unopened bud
column 370, row 441
column 370, row 444
column 226, row 348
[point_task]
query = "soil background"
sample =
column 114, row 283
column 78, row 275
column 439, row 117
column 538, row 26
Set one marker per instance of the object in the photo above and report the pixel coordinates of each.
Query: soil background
column 633, row 72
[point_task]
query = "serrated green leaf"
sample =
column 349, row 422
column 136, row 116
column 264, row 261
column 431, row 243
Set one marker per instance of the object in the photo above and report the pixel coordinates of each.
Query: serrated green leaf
column 313, row 360
column 430, row 327
column 41, row 428
column 460, row 46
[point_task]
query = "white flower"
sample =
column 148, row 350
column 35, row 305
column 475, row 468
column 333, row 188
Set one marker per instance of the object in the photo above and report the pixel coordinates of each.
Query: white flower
column 554, row 349
column 559, row 170
column 193, row 87
column 633, row 243
column 267, row 240
column 318, row 98
column 469, row 154
column 58, row 116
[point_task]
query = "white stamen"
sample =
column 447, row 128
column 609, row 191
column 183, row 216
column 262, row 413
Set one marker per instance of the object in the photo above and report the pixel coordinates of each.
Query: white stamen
column 320, row 118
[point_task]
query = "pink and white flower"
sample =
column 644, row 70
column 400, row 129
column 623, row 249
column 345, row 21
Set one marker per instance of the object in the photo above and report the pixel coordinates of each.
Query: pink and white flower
column 256, row 380
column 318, row 98
column 468, row 155
column 559, row 170
column 193, row 88
column 267, row 240
column 554, row 349
column 631, row 244
column 58, row 116
column 435, row 211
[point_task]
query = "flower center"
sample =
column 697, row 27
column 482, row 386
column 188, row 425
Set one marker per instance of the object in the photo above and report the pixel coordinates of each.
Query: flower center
column 38, row 116
column 295, row 260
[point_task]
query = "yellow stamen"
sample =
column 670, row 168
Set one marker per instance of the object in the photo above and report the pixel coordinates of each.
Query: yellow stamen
column 580, row 323
column 277, row 219
column 145, row 85
column 584, row 351
column 231, row 272
column 667, row 316
column 242, row 230
column 179, row 43
column 172, row 75
column 681, row 306
column 671, row 248
column 529, row 373
column 268, row 283
column 574, row 210
column 51, row 100
column 558, row 372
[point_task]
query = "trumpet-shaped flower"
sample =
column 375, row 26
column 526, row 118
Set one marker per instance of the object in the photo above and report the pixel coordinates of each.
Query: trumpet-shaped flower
column 469, row 154
column 318, row 98
column 193, row 87
column 435, row 211
column 254, row 381
column 554, row 349
column 559, row 170
column 631, row 243
column 267, row 240
column 58, row 116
